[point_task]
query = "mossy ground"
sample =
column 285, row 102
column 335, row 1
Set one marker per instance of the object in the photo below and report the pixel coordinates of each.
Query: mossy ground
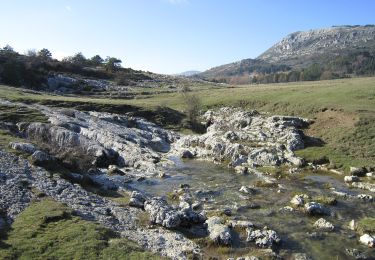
column 6, row 137
column 366, row 225
column 13, row 114
column 48, row 230
column 122, row 199
column 326, row 200
column 16, row 114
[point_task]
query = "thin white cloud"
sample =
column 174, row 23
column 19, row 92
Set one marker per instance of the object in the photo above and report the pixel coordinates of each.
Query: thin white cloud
column 68, row 8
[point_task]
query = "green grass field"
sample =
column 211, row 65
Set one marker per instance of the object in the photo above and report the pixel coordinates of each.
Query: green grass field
column 344, row 110
column 303, row 98
column 48, row 230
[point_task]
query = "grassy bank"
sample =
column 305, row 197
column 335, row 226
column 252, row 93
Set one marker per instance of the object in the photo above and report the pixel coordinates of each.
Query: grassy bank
column 48, row 230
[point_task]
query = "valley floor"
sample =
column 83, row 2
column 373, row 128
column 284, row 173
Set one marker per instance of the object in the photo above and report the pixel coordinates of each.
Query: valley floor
column 73, row 169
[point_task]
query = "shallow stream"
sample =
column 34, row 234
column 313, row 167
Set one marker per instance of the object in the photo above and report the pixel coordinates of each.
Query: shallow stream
column 218, row 188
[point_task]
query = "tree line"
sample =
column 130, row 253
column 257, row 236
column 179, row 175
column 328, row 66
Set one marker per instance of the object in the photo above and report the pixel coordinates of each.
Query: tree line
column 33, row 68
column 354, row 64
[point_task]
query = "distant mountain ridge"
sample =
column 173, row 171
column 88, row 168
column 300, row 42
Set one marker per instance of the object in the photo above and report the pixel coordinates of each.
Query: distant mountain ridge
column 188, row 73
column 320, row 41
column 299, row 50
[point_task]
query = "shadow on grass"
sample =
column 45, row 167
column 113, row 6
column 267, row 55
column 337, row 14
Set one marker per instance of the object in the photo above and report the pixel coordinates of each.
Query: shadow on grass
column 311, row 141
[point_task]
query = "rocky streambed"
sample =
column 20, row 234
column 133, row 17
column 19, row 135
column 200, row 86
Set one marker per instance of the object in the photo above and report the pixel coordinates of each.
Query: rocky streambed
column 237, row 190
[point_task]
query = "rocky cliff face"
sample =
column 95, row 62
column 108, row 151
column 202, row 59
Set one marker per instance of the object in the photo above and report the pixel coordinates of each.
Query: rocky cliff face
column 320, row 41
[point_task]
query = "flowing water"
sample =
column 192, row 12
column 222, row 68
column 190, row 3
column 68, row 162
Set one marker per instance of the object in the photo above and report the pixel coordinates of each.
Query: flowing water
column 218, row 188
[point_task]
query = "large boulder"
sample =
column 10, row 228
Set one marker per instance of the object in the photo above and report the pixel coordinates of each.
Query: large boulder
column 218, row 232
column 60, row 81
column 65, row 144
column 161, row 213
column 172, row 217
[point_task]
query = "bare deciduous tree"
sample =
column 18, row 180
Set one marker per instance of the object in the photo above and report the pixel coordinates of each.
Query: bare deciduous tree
column 192, row 105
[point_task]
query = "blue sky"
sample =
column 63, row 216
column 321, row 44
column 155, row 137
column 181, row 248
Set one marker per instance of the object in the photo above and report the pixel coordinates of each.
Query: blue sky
column 169, row 36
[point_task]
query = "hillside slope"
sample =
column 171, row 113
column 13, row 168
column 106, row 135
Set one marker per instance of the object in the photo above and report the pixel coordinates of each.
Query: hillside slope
column 84, row 76
column 341, row 49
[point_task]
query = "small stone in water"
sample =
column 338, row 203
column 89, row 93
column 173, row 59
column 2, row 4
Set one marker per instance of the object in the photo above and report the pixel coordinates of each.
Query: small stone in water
column 352, row 178
column 227, row 212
